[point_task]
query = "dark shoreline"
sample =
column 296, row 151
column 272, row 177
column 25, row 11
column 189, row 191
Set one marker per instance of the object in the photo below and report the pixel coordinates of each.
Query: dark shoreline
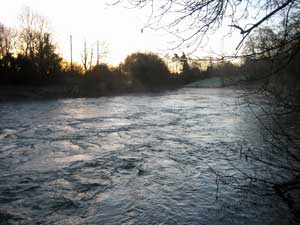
column 26, row 93
column 22, row 93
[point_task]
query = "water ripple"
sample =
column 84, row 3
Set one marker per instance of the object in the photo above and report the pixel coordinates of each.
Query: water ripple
column 126, row 160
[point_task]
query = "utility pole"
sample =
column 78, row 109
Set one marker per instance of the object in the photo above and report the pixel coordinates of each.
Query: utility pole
column 71, row 52
column 97, row 52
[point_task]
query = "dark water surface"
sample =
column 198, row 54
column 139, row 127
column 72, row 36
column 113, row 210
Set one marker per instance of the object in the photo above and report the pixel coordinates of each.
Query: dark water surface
column 127, row 160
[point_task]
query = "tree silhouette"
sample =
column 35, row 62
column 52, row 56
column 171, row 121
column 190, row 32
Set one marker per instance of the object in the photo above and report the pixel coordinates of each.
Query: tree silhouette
column 36, row 43
column 147, row 68
column 191, row 21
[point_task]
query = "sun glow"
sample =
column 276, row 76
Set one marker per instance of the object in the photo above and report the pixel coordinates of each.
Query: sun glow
column 95, row 20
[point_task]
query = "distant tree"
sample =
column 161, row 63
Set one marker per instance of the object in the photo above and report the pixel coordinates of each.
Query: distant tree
column 99, row 72
column 190, row 70
column 182, row 61
column 36, row 43
column 269, row 58
column 261, row 42
column 26, row 71
column 87, row 58
column 147, row 68
column 84, row 58
column 103, row 49
column 33, row 27
column 7, row 40
column 91, row 59
column 76, row 68
column 185, row 64
column 102, row 79
column 48, row 61
column 6, row 50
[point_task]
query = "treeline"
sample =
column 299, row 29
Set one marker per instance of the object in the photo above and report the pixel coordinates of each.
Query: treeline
column 28, row 57
column 270, row 58
column 273, row 55
column 28, row 54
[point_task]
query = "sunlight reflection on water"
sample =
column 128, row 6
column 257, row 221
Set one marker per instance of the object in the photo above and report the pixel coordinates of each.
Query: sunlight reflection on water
column 72, row 158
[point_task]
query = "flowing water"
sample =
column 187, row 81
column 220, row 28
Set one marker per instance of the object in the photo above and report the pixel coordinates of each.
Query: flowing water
column 137, row 159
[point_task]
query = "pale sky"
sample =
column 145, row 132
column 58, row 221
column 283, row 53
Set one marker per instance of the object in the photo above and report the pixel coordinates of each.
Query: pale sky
column 93, row 20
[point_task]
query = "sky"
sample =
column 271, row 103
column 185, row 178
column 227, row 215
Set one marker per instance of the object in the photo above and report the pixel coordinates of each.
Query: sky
column 93, row 20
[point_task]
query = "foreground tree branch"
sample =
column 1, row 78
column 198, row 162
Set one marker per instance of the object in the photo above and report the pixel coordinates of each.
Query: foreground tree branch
column 190, row 21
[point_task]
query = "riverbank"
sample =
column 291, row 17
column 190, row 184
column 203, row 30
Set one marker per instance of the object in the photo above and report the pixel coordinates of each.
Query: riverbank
column 31, row 93
column 56, row 91
column 76, row 90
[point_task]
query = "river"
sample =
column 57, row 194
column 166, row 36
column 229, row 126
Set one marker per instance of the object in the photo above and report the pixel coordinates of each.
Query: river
column 133, row 159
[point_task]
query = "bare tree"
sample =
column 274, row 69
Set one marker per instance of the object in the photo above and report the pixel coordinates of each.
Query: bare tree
column 103, row 49
column 87, row 56
column 33, row 28
column 91, row 59
column 84, row 57
column 7, row 40
column 189, row 21
column 36, row 43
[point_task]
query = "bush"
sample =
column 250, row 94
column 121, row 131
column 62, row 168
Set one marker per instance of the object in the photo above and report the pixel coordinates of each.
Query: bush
column 102, row 79
column 147, row 69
